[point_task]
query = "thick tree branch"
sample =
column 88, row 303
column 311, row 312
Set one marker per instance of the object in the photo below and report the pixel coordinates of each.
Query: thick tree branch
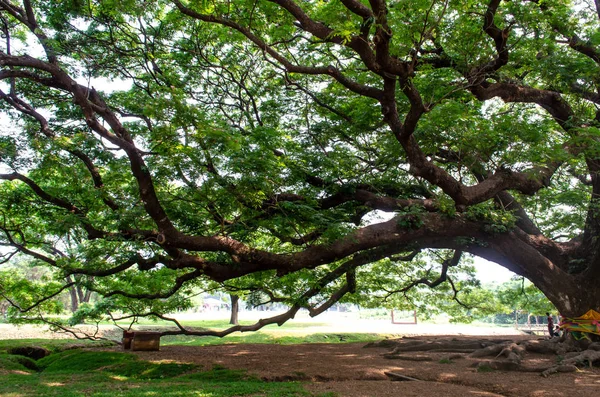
column 358, row 8
column 143, row 264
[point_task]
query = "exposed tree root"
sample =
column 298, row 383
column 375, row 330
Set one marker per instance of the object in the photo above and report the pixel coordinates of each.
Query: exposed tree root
column 504, row 355
column 399, row 377
column 489, row 350
column 558, row 368
column 393, row 356
column 500, row 365
column 587, row 357
column 446, row 346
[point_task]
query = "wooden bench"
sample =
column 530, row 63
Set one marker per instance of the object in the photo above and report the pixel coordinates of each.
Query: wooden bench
column 141, row 340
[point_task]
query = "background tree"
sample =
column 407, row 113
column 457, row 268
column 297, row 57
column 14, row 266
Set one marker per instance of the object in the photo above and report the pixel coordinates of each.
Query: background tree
column 235, row 309
column 258, row 142
column 520, row 297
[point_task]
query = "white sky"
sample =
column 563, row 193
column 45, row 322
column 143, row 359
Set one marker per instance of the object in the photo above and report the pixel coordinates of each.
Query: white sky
column 490, row 272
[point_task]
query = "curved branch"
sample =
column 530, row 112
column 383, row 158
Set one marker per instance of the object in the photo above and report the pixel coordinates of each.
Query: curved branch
column 25, row 108
column 500, row 37
column 21, row 248
column 179, row 282
column 358, row 8
column 451, row 262
column 315, row 28
column 143, row 264
column 27, row 17
column 91, row 104
column 39, row 302
column 92, row 232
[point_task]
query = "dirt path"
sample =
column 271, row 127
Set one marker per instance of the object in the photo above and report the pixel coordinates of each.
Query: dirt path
column 353, row 370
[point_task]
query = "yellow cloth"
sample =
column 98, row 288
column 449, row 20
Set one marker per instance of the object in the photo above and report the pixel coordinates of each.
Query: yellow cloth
column 589, row 323
column 590, row 315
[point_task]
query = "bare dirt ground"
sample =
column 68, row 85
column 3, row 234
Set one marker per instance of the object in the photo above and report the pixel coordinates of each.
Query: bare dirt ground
column 355, row 370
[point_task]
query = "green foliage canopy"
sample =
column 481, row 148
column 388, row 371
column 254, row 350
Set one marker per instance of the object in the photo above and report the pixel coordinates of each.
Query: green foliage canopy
column 158, row 148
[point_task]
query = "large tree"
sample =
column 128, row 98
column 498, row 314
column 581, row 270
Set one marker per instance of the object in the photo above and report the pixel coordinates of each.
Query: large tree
column 156, row 147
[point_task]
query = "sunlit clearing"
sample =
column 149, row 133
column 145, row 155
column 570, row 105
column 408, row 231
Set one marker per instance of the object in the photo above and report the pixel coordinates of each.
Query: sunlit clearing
column 538, row 393
column 120, row 378
column 241, row 353
column 167, row 361
column 588, row 381
column 19, row 372
column 376, row 373
column 446, row 376
column 54, row 384
column 540, row 360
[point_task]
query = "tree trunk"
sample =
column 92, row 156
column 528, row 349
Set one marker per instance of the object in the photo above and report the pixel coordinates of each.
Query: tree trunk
column 573, row 301
column 87, row 296
column 548, row 268
column 74, row 299
column 80, row 294
column 235, row 305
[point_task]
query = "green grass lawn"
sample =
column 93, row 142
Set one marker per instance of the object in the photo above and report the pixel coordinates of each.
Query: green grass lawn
column 72, row 372
column 95, row 373
column 77, row 372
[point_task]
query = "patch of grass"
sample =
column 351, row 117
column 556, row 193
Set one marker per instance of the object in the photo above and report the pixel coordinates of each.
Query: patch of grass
column 446, row 361
column 126, row 376
column 49, row 360
column 12, row 362
column 120, row 364
column 52, row 345
column 330, row 338
column 146, row 370
column 484, row 368
column 260, row 337
column 220, row 374
column 80, row 361
column 103, row 384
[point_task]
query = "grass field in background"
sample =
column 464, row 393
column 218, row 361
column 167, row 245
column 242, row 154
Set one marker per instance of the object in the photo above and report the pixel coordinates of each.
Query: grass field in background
column 266, row 337
column 288, row 333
